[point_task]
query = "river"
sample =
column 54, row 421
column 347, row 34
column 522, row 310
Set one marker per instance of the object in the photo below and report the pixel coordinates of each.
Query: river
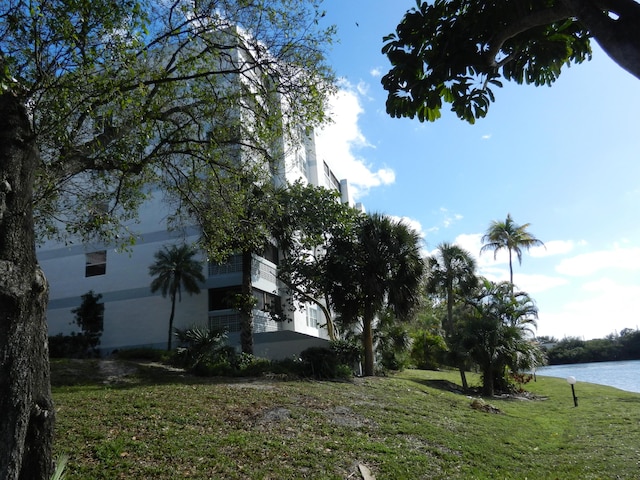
column 623, row 375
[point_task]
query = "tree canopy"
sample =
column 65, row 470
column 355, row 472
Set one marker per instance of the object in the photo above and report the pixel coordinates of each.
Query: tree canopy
column 457, row 51
column 131, row 95
column 509, row 236
column 106, row 102
column 497, row 331
column 310, row 218
column 376, row 266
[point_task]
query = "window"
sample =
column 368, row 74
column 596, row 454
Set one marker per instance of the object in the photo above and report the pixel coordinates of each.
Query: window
column 271, row 253
column 96, row 263
column 312, row 316
column 223, row 298
column 330, row 179
column 267, row 302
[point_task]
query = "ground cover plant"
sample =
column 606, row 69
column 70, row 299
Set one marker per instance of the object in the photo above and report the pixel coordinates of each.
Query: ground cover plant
column 135, row 421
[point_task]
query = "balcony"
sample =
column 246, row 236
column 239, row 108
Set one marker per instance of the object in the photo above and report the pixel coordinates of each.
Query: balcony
column 260, row 269
column 229, row 321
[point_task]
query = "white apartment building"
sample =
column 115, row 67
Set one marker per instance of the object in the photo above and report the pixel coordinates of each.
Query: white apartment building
column 135, row 317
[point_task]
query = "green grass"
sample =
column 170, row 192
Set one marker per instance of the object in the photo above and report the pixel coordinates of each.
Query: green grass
column 164, row 425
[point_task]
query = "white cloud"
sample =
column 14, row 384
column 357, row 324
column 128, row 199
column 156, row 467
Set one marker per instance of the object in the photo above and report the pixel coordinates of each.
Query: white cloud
column 449, row 218
column 410, row 222
column 339, row 143
column 470, row 242
column 590, row 263
column 533, row 284
column 605, row 307
column 376, row 72
column 486, row 137
column 554, row 247
column 498, row 271
column 363, row 88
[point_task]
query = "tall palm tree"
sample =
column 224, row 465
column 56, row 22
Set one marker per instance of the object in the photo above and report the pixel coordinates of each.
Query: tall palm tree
column 451, row 274
column 175, row 269
column 510, row 236
column 377, row 267
column 451, row 271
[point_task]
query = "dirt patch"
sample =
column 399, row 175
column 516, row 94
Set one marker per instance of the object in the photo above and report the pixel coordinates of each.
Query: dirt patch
column 274, row 415
column 114, row 371
column 482, row 406
column 345, row 417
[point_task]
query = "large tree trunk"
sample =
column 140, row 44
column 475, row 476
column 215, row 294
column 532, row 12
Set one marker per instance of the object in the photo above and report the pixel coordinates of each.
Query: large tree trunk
column 26, row 406
column 619, row 37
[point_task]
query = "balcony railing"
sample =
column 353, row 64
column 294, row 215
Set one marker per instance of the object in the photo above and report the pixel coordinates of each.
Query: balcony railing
column 229, row 321
column 259, row 269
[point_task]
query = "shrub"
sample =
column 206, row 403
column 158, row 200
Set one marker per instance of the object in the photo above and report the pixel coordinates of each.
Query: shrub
column 201, row 343
column 320, row 362
column 252, row 366
column 143, row 353
column 348, row 352
column 428, row 350
column 76, row 345
column 289, row 366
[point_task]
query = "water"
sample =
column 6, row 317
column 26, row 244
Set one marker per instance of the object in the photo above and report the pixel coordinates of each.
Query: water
column 623, row 375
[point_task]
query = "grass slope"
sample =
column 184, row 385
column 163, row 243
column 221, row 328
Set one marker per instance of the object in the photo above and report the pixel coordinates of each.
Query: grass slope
column 165, row 425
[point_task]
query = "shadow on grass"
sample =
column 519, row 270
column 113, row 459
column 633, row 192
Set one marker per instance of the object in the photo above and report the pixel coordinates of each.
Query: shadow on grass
column 441, row 384
column 131, row 373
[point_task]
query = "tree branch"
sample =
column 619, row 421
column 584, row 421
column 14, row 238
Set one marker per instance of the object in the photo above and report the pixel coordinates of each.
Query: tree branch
column 535, row 19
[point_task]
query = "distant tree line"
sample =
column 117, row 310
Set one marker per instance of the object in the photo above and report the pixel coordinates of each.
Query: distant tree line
column 614, row 347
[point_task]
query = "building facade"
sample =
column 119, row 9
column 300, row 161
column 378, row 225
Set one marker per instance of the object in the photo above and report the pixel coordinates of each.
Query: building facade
column 135, row 317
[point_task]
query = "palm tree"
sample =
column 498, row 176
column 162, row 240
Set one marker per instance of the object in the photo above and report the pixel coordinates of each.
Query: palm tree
column 497, row 331
column 377, row 267
column 510, row 236
column 175, row 270
column 451, row 274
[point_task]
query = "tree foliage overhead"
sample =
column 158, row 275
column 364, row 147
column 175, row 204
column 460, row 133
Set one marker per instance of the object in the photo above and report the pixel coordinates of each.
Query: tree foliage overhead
column 121, row 97
column 131, row 93
column 457, row 51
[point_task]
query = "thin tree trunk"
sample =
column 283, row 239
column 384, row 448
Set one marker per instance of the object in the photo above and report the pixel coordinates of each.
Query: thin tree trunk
column 510, row 269
column 173, row 311
column 367, row 342
column 463, row 378
column 26, row 406
column 246, row 308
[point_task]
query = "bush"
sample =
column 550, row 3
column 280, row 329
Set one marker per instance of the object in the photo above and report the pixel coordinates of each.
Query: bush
column 428, row 350
column 348, row 352
column 210, row 367
column 76, row 345
column 288, row 366
column 144, row 353
column 201, row 344
column 251, row 366
column 323, row 363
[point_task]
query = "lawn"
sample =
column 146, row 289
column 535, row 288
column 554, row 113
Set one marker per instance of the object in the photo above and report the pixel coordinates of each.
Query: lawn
column 145, row 422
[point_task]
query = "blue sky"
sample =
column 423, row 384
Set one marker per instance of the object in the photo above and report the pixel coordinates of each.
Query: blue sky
column 565, row 159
